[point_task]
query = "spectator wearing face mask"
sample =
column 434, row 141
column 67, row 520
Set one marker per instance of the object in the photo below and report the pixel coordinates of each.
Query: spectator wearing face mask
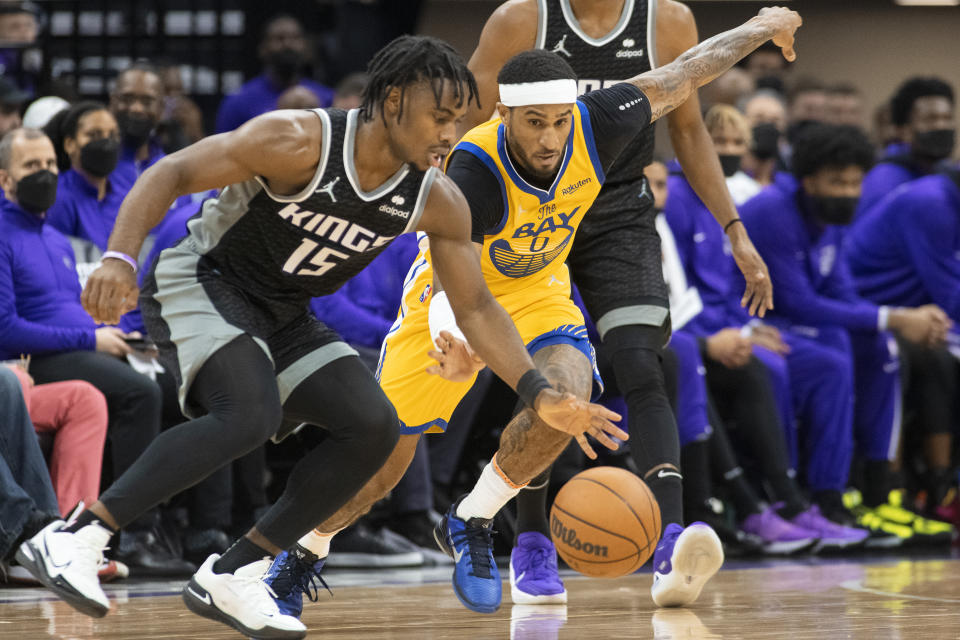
column 284, row 54
column 732, row 138
column 924, row 110
column 766, row 113
column 41, row 315
column 906, row 252
column 87, row 140
column 137, row 104
column 798, row 226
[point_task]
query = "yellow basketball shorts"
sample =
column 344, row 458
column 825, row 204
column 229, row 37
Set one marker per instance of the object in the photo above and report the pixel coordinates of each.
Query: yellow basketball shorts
column 425, row 402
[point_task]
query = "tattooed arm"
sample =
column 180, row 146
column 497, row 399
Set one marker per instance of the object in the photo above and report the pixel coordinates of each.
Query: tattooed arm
column 669, row 86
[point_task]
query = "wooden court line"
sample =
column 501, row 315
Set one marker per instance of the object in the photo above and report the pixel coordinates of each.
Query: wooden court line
column 857, row 585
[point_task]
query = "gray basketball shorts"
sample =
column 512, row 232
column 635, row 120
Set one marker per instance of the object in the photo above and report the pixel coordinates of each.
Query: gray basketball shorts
column 190, row 310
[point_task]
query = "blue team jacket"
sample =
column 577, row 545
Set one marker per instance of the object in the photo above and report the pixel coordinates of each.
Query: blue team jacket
column 906, row 250
column 77, row 212
column 812, row 286
column 40, row 309
column 705, row 254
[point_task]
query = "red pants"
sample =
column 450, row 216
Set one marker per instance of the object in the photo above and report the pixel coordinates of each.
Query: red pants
column 77, row 412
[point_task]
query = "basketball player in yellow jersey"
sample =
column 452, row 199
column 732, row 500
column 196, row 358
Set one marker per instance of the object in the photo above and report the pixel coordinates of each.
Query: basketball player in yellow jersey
column 529, row 177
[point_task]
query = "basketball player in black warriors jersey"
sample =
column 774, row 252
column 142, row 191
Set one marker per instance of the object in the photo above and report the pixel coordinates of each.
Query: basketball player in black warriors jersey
column 615, row 261
column 311, row 198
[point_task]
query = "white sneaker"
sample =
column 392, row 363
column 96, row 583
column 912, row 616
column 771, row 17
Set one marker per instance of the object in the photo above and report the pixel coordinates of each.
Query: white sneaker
column 683, row 562
column 67, row 564
column 241, row 600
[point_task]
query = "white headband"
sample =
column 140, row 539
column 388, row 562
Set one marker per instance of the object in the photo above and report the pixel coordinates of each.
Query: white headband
column 546, row 92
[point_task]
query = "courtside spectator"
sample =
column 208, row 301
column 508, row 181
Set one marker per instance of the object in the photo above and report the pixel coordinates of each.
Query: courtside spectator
column 285, row 54
column 41, row 315
column 797, row 225
column 923, row 110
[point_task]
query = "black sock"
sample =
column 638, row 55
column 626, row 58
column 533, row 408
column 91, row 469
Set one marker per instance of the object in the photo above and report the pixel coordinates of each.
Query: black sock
column 745, row 499
column 697, row 485
column 532, row 506
column 242, row 553
column 85, row 518
column 937, row 483
column 877, row 482
column 785, row 490
column 667, row 487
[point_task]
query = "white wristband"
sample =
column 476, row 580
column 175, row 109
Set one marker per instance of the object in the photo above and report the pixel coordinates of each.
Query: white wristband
column 883, row 318
column 121, row 256
column 440, row 318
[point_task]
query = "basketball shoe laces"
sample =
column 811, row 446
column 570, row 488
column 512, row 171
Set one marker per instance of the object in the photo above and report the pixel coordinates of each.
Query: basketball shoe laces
column 479, row 541
column 297, row 573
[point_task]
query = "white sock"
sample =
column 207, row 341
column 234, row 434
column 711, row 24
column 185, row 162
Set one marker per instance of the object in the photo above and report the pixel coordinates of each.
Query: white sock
column 318, row 543
column 492, row 491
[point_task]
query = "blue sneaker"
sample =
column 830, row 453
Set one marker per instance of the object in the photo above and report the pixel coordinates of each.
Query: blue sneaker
column 683, row 562
column 292, row 574
column 476, row 580
column 534, row 577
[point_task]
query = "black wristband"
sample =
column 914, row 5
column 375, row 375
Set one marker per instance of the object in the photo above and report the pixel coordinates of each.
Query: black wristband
column 731, row 223
column 530, row 385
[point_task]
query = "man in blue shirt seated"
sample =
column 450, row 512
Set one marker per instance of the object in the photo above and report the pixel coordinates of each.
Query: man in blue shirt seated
column 284, row 52
column 906, row 252
column 41, row 315
column 797, row 224
column 923, row 109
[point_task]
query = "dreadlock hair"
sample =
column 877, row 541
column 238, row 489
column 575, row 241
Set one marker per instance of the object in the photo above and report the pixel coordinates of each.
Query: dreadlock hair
column 408, row 60
column 820, row 145
column 535, row 65
column 901, row 104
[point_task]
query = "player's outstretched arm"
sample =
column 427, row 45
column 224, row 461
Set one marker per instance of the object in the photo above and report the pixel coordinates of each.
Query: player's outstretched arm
column 676, row 33
column 270, row 145
column 669, row 86
column 488, row 327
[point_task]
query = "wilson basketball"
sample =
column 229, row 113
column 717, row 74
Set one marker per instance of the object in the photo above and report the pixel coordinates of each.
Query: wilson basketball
column 605, row 522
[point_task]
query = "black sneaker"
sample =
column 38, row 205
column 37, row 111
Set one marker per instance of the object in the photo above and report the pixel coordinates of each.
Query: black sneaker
column 146, row 555
column 416, row 526
column 360, row 546
column 199, row 544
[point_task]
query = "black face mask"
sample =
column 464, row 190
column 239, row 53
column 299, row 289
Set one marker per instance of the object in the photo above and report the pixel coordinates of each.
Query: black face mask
column 135, row 129
column 772, row 82
column 766, row 141
column 934, row 145
column 834, row 209
column 730, row 164
column 37, row 192
column 99, row 158
column 285, row 64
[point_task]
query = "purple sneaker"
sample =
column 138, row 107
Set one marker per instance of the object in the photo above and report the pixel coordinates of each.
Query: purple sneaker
column 831, row 534
column 534, row 578
column 779, row 536
column 683, row 562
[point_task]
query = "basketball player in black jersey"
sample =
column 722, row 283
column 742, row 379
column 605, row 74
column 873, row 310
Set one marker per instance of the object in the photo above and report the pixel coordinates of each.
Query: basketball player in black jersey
column 615, row 261
column 311, row 197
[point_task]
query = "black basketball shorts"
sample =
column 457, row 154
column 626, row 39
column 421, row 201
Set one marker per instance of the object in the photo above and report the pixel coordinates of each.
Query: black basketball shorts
column 616, row 263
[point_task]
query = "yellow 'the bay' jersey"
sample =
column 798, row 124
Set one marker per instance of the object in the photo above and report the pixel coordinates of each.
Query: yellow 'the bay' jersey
column 529, row 247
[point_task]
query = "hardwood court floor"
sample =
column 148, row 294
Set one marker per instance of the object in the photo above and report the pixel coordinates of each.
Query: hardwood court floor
column 888, row 599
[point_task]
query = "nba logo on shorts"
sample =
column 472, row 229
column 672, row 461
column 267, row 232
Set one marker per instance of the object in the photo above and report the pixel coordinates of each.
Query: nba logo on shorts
column 426, row 293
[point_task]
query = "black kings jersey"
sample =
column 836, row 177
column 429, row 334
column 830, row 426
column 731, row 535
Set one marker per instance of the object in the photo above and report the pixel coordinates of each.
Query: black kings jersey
column 626, row 51
column 295, row 247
